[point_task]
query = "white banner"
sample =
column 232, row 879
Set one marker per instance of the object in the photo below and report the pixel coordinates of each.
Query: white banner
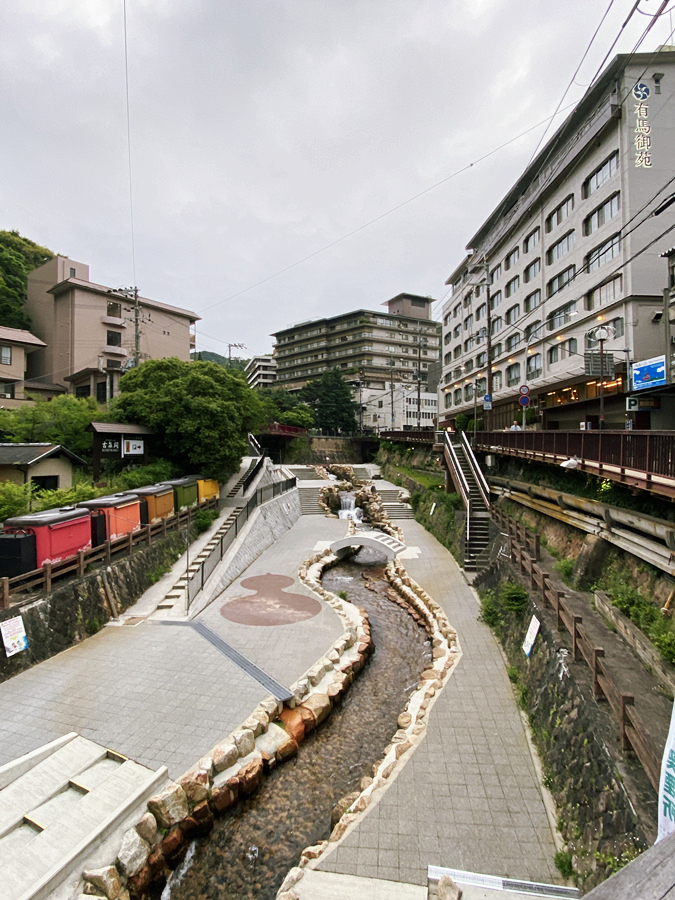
column 667, row 785
column 14, row 635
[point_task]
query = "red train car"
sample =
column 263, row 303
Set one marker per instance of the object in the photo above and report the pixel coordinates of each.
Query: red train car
column 113, row 517
column 56, row 534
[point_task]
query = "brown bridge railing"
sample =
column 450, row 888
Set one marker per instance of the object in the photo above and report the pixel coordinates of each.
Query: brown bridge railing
column 644, row 459
column 635, row 735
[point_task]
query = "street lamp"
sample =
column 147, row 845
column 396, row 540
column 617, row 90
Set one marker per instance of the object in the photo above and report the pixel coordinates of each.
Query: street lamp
column 602, row 333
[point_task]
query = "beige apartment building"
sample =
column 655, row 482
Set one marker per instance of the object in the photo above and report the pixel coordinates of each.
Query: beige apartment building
column 92, row 334
column 15, row 345
column 561, row 290
column 261, row 371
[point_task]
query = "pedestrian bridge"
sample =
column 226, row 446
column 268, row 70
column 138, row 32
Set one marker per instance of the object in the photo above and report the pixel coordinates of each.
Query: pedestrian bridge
column 377, row 540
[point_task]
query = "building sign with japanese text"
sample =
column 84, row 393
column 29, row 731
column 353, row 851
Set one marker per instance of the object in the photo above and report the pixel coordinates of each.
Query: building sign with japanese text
column 132, row 448
column 643, row 129
column 110, row 447
column 667, row 785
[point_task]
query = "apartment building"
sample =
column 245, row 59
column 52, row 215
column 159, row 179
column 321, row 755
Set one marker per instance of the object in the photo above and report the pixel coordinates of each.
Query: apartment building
column 377, row 348
column 561, row 288
column 15, row 345
column 261, row 371
column 401, row 408
column 92, row 333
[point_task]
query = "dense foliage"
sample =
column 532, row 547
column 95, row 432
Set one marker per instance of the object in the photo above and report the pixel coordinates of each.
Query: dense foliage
column 63, row 420
column 18, row 257
column 331, row 399
column 200, row 412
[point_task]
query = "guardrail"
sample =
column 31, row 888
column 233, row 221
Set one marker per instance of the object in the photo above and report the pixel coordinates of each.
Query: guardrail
column 230, row 530
column 41, row 579
column 460, row 481
column 476, row 469
column 635, row 735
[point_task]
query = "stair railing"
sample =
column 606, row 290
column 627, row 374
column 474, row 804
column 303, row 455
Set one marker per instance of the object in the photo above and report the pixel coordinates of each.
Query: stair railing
column 480, row 479
column 460, row 479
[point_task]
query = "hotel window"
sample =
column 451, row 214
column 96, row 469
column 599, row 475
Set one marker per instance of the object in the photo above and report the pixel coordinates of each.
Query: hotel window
column 468, row 345
column 532, row 240
column 562, row 350
column 481, row 386
column 495, row 273
column 6, row 356
column 532, row 301
column 495, row 299
column 481, row 359
column 602, row 254
column 513, row 374
column 560, row 213
column 497, row 325
column 512, row 286
column 512, row 258
column 602, row 214
column 468, row 392
column 532, row 270
column 604, row 293
column 456, row 373
column 561, row 316
column 468, row 365
column 457, row 310
column 458, row 395
column 481, row 311
column 602, row 174
column 457, row 330
column 512, row 314
column 113, row 338
column 496, row 350
column 114, row 310
column 468, row 323
column 512, row 343
column 618, row 326
column 532, row 331
column 534, row 366
column 560, row 248
column 561, row 280
column 447, row 359
column 457, row 352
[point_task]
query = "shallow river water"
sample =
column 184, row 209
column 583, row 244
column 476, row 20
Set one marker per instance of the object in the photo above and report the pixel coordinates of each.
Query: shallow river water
column 250, row 851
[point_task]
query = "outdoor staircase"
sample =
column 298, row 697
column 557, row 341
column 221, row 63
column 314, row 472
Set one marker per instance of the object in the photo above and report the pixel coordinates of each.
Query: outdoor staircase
column 305, row 473
column 237, row 486
column 478, row 512
column 309, row 500
column 57, row 805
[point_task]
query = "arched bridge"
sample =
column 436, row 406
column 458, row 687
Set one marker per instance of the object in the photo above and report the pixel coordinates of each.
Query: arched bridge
column 377, row 540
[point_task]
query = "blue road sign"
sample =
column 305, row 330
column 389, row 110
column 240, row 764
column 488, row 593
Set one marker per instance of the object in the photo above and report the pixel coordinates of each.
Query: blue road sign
column 524, row 400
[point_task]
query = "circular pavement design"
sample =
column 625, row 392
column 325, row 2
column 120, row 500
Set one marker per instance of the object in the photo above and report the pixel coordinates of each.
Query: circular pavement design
column 270, row 605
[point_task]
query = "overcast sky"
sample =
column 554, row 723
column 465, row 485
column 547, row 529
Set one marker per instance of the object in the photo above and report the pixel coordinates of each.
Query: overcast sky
column 262, row 131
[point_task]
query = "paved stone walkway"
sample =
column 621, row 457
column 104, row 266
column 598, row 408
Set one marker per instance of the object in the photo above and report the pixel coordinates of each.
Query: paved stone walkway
column 469, row 797
column 162, row 694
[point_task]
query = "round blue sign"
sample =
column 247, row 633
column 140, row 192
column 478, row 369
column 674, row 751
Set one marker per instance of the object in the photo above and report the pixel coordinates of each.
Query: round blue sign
column 641, row 91
column 524, row 400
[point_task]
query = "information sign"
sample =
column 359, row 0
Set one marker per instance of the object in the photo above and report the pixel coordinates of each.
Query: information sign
column 14, row 635
column 649, row 373
column 532, row 632
column 524, row 389
column 524, row 400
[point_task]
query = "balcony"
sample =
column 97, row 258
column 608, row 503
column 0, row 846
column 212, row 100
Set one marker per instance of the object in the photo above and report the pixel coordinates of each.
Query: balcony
column 109, row 350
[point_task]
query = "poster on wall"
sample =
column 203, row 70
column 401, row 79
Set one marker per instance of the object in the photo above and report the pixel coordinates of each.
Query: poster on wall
column 532, row 632
column 132, row 448
column 649, row 373
column 667, row 785
column 14, row 636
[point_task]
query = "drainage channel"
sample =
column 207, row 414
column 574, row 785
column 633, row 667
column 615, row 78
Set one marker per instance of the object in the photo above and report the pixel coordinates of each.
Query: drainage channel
column 250, row 851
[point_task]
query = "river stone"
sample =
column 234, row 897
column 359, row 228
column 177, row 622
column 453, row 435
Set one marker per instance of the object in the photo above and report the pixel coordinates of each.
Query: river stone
column 342, row 806
column 319, row 705
column 341, row 827
column 388, row 769
column 404, row 720
column 258, row 722
column 294, row 723
column 292, row 878
column 195, row 785
column 315, row 851
column 106, row 879
column 225, row 797
column 286, row 751
column 133, row 853
column 169, row 806
column 288, row 895
column 244, row 740
column 224, row 756
column 271, row 706
column 250, row 777
column 365, row 782
column 448, row 890
column 147, row 828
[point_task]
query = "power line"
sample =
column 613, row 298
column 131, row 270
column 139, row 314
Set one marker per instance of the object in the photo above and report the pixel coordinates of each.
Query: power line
column 131, row 193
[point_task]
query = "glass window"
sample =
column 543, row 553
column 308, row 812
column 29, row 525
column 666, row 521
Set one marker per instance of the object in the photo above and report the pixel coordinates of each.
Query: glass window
column 468, row 323
column 513, row 374
column 532, row 240
column 458, row 395
column 496, row 381
column 481, row 359
column 561, row 316
column 618, row 326
column 602, row 254
column 457, row 352
column 114, row 338
column 495, row 299
column 532, row 270
column 495, row 273
column 512, row 286
column 468, row 392
column 561, row 280
column 7, row 389
column 532, row 331
column 560, row 213
column 114, row 310
column 497, row 324
column 496, row 350
column 560, row 248
column 532, row 301
column 6, row 356
column 481, row 311
column 457, row 330
column 602, row 174
column 513, row 314
column 534, row 366
column 468, row 365
column 512, row 258
column 512, row 343
column 602, row 214
column 604, row 293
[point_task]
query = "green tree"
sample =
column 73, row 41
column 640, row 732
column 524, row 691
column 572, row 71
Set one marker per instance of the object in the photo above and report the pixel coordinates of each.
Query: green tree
column 18, row 257
column 63, row 420
column 301, row 417
column 331, row 400
column 200, row 412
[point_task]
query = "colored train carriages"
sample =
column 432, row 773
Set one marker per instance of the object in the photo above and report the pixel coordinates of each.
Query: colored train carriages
column 156, row 502
column 30, row 541
column 207, row 489
column 185, row 491
column 113, row 517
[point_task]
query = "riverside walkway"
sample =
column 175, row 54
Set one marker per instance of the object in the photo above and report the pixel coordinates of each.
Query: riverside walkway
column 468, row 796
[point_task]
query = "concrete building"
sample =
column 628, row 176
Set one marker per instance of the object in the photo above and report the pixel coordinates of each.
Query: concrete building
column 261, row 371
column 92, row 333
column 562, row 286
column 15, row 345
column 372, row 348
column 398, row 409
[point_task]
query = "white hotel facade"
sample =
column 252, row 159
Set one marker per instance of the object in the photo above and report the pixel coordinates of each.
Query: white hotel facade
column 574, row 245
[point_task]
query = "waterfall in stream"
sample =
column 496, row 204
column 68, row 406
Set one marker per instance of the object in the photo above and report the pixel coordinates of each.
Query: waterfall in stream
column 349, row 509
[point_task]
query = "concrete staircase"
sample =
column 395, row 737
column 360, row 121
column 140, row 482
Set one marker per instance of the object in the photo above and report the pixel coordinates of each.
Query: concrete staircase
column 305, row 473
column 57, row 805
column 309, row 500
column 479, row 519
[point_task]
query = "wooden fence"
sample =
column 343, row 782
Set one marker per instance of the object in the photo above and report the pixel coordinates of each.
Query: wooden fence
column 635, row 735
column 41, row 579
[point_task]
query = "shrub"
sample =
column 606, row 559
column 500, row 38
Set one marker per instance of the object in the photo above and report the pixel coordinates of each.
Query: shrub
column 13, row 499
column 204, row 519
column 565, row 567
column 563, row 863
column 514, row 598
column 489, row 609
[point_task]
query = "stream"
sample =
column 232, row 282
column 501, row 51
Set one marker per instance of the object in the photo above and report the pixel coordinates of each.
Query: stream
column 250, row 850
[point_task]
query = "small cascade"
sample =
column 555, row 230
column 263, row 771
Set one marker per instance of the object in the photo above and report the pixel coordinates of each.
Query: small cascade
column 348, row 508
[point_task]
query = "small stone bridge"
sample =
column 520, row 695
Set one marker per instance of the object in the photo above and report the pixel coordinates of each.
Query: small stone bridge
column 375, row 539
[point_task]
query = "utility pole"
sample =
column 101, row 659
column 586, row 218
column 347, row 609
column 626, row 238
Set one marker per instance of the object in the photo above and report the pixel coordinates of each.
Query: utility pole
column 393, row 418
column 229, row 352
column 137, row 328
column 488, row 382
column 420, row 343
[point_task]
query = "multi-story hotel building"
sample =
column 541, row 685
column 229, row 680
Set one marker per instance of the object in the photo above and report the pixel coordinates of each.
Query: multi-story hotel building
column 261, row 371
column 376, row 348
column 93, row 333
column 563, row 283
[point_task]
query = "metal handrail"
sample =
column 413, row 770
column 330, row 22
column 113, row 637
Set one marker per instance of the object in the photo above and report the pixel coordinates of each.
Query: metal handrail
column 463, row 483
column 477, row 473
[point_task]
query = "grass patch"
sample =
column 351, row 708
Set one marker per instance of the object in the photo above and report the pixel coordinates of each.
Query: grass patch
column 563, row 863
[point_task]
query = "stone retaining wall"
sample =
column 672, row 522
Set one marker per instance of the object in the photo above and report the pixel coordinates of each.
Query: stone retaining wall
column 77, row 608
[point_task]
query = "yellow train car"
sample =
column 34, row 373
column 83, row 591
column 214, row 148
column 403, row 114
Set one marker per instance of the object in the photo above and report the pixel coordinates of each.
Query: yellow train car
column 207, row 488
